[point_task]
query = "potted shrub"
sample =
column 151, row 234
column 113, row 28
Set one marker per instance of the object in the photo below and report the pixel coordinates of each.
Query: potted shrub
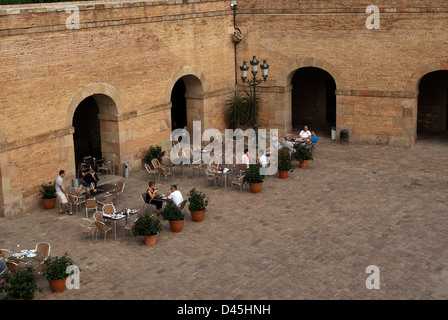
column 254, row 178
column 284, row 164
column 48, row 195
column 174, row 215
column 21, row 285
column 302, row 153
column 148, row 227
column 154, row 152
column 56, row 271
column 198, row 204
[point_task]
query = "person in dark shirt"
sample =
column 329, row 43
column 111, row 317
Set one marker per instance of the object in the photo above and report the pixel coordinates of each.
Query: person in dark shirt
column 88, row 178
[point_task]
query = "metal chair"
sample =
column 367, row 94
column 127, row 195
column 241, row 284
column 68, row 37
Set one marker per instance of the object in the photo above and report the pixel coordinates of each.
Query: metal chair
column 43, row 250
column 88, row 227
column 119, row 190
column 107, row 200
column 102, row 227
column 76, row 201
column 211, row 176
column 106, row 166
column 164, row 172
column 91, row 204
column 182, row 205
column 150, row 171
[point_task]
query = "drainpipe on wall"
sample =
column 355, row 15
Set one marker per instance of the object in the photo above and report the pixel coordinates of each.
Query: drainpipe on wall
column 236, row 37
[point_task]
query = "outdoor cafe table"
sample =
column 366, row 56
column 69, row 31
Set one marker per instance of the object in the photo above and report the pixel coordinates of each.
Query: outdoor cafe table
column 118, row 216
column 25, row 256
column 107, row 187
column 224, row 173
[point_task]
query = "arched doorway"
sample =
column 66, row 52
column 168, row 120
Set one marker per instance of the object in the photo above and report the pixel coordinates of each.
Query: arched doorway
column 96, row 131
column 432, row 111
column 178, row 105
column 187, row 102
column 313, row 99
column 87, row 135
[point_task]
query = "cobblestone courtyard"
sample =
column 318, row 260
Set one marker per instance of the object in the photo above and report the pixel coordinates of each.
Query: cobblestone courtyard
column 308, row 237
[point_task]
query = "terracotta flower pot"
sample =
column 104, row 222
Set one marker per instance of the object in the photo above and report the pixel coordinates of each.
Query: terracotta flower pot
column 256, row 187
column 177, row 226
column 283, row 174
column 150, row 240
column 198, row 216
column 57, row 285
column 49, row 204
column 303, row 163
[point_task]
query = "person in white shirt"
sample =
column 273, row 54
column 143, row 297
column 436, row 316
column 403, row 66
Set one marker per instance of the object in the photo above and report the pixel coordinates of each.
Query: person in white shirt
column 305, row 133
column 175, row 195
column 245, row 159
column 61, row 193
column 263, row 160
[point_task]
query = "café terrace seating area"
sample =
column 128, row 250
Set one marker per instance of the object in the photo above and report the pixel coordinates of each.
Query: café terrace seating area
column 108, row 214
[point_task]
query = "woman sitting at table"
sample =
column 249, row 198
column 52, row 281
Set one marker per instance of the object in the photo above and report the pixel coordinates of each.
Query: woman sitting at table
column 151, row 194
column 89, row 177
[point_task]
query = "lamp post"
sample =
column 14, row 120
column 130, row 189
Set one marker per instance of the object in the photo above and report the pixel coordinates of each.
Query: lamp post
column 254, row 82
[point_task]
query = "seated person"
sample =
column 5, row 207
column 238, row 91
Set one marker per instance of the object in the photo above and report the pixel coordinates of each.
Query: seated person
column 263, row 160
column 175, row 195
column 151, row 194
column 274, row 140
column 305, row 133
column 245, row 159
column 313, row 139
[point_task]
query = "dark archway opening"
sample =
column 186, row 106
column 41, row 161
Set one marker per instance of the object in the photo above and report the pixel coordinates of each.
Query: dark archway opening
column 313, row 100
column 178, row 105
column 87, row 135
column 432, row 115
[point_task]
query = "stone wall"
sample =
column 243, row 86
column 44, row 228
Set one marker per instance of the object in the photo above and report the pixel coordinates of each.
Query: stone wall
column 129, row 55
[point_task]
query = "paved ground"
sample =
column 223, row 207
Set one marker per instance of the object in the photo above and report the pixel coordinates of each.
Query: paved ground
column 308, row 237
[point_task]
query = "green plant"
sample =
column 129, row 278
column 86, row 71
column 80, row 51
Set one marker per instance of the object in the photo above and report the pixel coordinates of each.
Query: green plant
column 198, row 200
column 248, row 101
column 56, row 267
column 240, row 108
column 154, row 152
column 253, row 175
column 48, row 191
column 302, row 152
column 171, row 212
column 20, row 285
column 285, row 162
column 146, row 225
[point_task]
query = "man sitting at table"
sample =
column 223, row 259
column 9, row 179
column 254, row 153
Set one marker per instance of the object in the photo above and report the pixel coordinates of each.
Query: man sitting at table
column 313, row 139
column 263, row 160
column 175, row 195
column 305, row 133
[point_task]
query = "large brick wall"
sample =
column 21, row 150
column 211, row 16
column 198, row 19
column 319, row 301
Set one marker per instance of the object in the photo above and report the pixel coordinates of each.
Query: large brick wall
column 129, row 56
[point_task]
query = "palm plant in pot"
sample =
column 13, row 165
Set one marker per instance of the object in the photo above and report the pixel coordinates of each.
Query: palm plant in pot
column 198, row 204
column 254, row 178
column 48, row 195
column 154, row 152
column 174, row 215
column 56, row 271
column 302, row 153
column 148, row 227
column 21, row 285
column 284, row 164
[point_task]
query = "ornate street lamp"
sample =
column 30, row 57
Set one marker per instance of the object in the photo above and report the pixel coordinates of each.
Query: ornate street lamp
column 254, row 82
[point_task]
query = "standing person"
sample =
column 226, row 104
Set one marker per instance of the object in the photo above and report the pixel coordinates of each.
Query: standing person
column 183, row 134
column 175, row 195
column 61, row 193
column 305, row 133
column 89, row 177
column 151, row 193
